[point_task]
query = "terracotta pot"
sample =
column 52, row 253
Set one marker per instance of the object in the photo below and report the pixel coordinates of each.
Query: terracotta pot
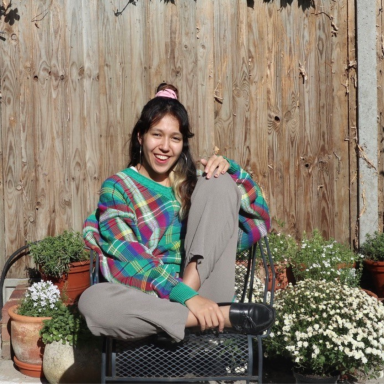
column 346, row 266
column 376, row 269
column 284, row 276
column 32, row 370
column 25, row 339
column 73, row 284
column 369, row 293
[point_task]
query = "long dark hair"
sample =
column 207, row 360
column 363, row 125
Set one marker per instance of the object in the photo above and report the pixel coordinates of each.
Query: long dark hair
column 183, row 175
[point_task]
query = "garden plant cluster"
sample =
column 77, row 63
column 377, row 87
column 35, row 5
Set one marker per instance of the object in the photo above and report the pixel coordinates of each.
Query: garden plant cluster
column 326, row 324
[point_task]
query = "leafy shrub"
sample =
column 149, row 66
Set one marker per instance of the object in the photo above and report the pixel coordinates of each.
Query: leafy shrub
column 320, row 259
column 373, row 248
column 54, row 254
column 68, row 326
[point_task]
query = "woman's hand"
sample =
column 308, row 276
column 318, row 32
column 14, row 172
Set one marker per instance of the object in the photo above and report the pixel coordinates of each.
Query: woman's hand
column 207, row 313
column 217, row 163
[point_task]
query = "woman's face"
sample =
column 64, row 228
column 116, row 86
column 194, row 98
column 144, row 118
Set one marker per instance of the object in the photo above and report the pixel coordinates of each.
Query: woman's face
column 161, row 148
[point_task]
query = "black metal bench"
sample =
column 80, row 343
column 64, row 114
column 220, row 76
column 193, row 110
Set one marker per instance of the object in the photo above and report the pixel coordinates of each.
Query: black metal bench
column 200, row 356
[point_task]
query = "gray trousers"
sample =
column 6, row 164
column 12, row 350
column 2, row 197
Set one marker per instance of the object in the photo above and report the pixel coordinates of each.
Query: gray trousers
column 212, row 231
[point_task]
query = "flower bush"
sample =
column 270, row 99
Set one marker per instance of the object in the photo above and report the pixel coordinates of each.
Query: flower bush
column 373, row 248
column 41, row 300
column 283, row 248
column 320, row 259
column 326, row 326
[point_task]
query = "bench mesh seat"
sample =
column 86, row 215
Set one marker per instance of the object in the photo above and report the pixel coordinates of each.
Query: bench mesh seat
column 201, row 356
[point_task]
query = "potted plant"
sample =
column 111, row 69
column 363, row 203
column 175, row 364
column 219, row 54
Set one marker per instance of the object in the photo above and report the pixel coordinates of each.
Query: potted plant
column 373, row 251
column 283, row 250
column 63, row 260
column 40, row 302
column 68, row 347
column 321, row 259
column 326, row 327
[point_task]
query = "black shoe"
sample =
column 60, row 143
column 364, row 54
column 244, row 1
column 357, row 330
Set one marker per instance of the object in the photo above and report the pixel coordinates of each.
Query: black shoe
column 251, row 318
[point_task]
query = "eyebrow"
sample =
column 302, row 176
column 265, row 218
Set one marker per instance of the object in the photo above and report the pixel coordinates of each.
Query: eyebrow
column 154, row 128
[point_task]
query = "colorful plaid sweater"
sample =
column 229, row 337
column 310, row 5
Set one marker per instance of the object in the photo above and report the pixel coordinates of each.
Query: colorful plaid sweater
column 137, row 232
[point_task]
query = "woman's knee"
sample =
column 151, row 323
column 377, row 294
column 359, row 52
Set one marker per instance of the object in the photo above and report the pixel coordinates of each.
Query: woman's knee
column 216, row 187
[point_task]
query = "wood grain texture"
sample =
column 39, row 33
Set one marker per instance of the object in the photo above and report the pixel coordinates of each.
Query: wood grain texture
column 75, row 145
column 225, row 45
column 42, row 121
column 380, row 108
column 240, row 86
column 352, row 127
column 273, row 86
column 187, row 53
column 12, row 150
column 27, row 141
column 3, row 254
column 205, row 132
column 92, row 143
column 338, row 151
column 257, row 51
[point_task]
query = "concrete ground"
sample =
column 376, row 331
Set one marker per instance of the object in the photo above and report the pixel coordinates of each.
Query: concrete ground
column 9, row 375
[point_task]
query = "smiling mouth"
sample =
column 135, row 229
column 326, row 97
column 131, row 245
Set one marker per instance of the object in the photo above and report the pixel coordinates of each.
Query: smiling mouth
column 161, row 157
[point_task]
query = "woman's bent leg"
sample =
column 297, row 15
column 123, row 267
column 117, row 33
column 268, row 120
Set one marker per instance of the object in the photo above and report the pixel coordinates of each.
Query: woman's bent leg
column 127, row 313
column 212, row 233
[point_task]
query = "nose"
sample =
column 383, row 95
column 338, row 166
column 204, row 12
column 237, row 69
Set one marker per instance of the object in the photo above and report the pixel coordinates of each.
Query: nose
column 164, row 145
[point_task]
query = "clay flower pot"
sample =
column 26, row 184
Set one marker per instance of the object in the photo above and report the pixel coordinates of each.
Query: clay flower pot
column 26, row 341
column 73, row 284
column 283, row 274
column 376, row 269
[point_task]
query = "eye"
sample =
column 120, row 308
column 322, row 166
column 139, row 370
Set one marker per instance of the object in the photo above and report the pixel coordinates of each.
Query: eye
column 177, row 139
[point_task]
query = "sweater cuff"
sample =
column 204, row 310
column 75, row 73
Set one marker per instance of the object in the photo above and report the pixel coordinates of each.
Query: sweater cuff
column 233, row 166
column 181, row 293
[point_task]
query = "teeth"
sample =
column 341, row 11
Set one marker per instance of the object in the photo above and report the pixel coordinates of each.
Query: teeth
column 162, row 157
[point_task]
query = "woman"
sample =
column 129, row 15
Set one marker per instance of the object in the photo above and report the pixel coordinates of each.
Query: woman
column 167, row 239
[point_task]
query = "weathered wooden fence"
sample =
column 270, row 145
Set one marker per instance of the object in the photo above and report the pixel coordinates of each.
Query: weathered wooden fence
column 270, row 83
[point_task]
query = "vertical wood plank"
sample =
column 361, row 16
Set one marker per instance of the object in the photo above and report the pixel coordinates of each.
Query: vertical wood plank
column 157, row 59
column 75, row 126
column 205, row 70
column 380, row 108
column 274, row 29
column 241, row 86
column 338, row 151
column 352, row 126
column 91, row 113
column 107, row 98
column 308, row 98
column 12, row 150
column 3, row 254
column 188, row 64
column 133, row 71
column 26, row 124
column 257, row 54
column 42, row 121
column 62, row 118
column 225, row 45
column 137, row 54
column 288, row 121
